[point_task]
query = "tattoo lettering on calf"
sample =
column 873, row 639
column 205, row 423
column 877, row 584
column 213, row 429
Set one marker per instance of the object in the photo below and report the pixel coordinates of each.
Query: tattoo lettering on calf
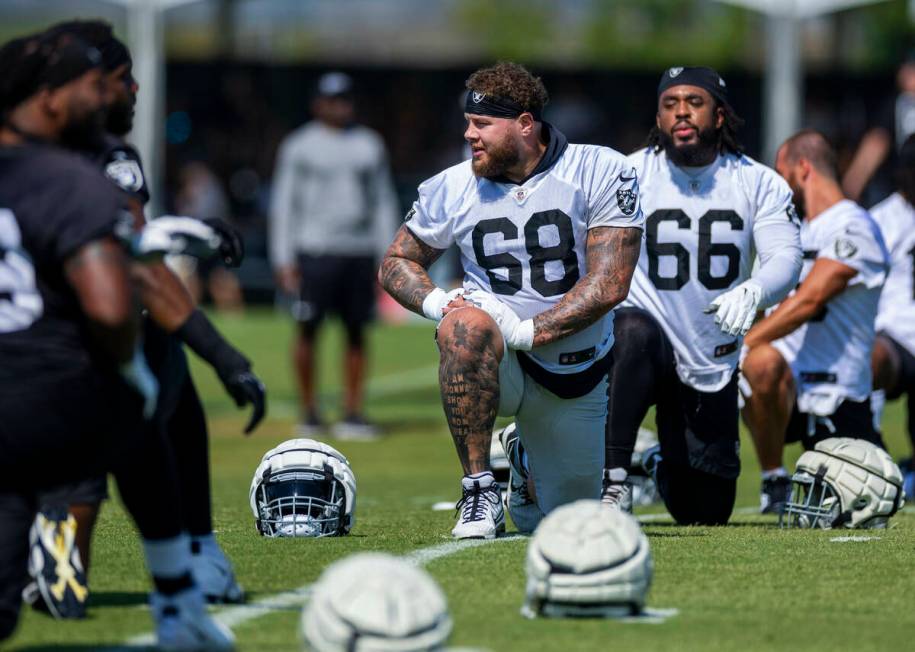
column 612, row 254
column 403, row 271
column 469, row 382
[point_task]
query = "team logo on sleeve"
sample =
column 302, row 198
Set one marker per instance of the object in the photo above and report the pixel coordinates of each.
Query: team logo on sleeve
column 125, row 172
column 409, row 215
column 845, row 248
column 627, row 198
column 793, row 217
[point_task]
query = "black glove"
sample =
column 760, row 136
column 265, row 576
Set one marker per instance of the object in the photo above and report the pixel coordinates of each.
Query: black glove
column 232, row 249
column 245, row 387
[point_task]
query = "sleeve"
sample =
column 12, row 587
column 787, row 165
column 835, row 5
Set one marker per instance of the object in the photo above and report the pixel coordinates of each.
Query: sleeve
column 428, row 218
column 387, row 208
column 613, row 192
column 777, row 240
column 281, row 240
column 89, row 209
column 123, row 167
column 857, row 242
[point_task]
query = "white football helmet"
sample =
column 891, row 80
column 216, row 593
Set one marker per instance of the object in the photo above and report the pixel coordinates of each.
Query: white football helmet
column 586, row 559
column 374, row 602
column 303, row 488
column 844, row 482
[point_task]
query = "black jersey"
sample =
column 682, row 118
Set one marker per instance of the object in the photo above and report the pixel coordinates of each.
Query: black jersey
column 51, row 203
column 121, row 163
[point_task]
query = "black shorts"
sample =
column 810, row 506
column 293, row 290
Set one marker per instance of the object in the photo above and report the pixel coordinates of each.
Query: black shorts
column 851, row 419
column 341, row 285
column 700, row 429
column 90, row 491
column 906, row 382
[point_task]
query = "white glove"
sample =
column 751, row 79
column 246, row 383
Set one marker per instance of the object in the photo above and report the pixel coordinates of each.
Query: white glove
column 736, row 309
column 436, row 301
column 518, row 334
column 138, row 375
column 175, row 235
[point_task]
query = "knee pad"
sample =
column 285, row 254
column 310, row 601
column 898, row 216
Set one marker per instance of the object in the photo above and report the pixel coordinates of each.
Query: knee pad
column 637, row 333
column 696, row 498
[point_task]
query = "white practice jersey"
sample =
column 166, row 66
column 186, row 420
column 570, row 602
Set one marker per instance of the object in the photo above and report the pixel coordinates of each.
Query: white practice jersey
column 526, row 243
column 830, row 355
column 896, row 314
column 701, row 232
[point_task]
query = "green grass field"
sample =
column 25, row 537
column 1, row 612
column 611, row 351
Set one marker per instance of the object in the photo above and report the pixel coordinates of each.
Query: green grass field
column 748, row 586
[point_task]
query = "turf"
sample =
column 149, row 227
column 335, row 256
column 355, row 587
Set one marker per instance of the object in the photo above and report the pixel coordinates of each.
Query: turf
column 748, row 586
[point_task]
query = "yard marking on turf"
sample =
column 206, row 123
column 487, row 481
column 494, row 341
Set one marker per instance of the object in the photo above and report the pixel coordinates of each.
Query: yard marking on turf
column 847, row 539
column 236, row 615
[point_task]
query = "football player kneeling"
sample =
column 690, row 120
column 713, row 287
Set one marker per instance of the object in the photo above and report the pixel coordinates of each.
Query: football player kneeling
column 587, row 560
column 303, row 488
column 373, row 602
column 844, row 482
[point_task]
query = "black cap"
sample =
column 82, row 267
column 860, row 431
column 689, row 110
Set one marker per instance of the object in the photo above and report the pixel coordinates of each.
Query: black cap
column 700, row 76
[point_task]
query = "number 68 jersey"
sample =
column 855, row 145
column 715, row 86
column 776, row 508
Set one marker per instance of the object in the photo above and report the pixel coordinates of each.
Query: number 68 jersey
column 702, row 231
column 525, row 243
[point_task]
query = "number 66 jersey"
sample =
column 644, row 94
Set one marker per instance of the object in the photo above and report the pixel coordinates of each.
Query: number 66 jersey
column 525, row 243
column 704, row 227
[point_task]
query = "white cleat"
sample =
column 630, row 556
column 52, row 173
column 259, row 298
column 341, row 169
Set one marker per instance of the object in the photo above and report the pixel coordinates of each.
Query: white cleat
column 616, row 495
column 213, row 573
column 521, row 505
column 183, row 624
column 480, row 512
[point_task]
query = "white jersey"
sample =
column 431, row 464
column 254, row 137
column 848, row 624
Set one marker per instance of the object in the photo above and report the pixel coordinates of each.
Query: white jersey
column 701, row 235
column 830, row 355
column 526, row 243
column 896, row 313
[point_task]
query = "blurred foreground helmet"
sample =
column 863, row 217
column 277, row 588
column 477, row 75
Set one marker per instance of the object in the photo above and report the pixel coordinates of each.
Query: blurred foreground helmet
column 586, row 559
column 844, row 482
column 375, row 602
column 303, row 488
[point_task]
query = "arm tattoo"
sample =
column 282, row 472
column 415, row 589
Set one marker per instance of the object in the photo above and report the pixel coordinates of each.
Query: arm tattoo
column 612, row 256
column 403, row 271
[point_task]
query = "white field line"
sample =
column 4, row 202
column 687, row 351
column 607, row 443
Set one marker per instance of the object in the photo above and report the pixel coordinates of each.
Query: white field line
column 236, row 615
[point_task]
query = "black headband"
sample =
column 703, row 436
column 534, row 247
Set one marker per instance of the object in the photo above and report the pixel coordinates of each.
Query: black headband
column 71, row 61
column 704, row 78
column 492, row 105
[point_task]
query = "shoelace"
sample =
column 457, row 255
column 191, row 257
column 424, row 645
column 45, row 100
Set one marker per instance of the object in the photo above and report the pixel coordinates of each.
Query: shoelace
column 471, row 506
column 614, row 491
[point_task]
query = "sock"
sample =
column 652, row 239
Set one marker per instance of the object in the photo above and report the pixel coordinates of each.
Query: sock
column 485, row 479
column 780, row 472
column 169, row 563
column 616, row 474
column 878, row 402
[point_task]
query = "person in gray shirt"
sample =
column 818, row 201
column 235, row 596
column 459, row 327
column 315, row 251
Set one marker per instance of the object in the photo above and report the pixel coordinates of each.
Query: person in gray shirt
column 332, row 211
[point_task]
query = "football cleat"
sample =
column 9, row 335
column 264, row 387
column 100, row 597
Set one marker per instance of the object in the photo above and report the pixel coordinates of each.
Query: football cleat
column 774, row 494
column 616, row 495
column 520, row 503
column 586, row 559
column 303, row 488
column 355, row 428
column 498, row 460
column 183, row 624
column 213, row 573
column 844, row 482
column 480, row 512
column 60, row 582
column 374, row 601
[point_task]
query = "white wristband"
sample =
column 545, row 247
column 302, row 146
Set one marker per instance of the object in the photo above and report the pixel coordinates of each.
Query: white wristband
column 524, row 335
column 433, row 304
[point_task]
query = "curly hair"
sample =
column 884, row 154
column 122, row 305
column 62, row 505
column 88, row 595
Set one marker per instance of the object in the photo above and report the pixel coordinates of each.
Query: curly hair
column 727, row 135
column 512, row 81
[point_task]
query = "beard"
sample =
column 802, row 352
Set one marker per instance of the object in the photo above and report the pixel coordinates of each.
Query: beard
column 798, row 200
column 83, row 132
column 701, row 153
column 120, row 118
column 500, row 157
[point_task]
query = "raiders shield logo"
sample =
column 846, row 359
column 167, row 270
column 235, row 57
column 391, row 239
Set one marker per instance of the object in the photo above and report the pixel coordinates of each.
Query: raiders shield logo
column 626, row 200
column 673, row 72
column 845, row 248
column 409, row 215
column 478, row 97
column 126, row 173
column 791, row 212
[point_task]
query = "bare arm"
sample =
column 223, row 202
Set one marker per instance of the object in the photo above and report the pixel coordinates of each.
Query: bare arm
column 99, row 274
column 163, row 294
column 404, row 270
column 826, row 279
column 612, row 255
column 874, row 147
